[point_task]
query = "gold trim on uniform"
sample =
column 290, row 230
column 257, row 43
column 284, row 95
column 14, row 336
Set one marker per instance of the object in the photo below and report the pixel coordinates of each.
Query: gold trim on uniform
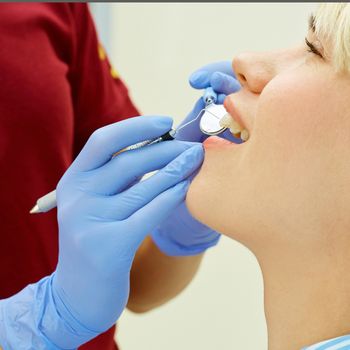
column 114, row 74
column 101, row 52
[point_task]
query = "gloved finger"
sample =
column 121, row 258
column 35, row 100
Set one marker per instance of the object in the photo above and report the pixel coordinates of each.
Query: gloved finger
column 221, row 99
column 126, row 167
column 200, row 79
column 104, row 142
column 148, row 217
column 123, row 205
column 191, row 131
column 224, row 83
column 133, row 183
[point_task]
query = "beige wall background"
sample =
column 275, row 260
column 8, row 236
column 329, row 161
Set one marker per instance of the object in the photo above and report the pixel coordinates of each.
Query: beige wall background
column 155, row 47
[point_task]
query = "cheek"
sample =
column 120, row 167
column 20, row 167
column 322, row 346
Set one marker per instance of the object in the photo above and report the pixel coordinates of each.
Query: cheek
column 295, row 148
column 295, row 123
column 291, row 108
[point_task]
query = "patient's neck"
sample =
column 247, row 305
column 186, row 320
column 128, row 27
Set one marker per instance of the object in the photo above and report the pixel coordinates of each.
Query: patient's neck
column 307, row 292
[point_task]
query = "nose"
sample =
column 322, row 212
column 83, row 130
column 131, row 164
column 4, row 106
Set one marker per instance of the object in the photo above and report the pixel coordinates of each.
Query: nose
column 254, row 70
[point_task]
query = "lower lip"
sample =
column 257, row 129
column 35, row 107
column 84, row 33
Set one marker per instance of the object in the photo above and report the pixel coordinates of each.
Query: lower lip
column 215, row 141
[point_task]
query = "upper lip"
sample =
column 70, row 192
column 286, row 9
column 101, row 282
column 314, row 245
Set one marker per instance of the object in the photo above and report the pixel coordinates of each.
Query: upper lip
column 233, row 111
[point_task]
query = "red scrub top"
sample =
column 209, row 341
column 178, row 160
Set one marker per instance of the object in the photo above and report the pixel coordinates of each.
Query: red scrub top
column 56, row 88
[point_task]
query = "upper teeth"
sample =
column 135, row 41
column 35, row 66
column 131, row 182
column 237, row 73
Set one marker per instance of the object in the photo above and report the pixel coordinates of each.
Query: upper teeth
column 244, row 135
column 228, row 122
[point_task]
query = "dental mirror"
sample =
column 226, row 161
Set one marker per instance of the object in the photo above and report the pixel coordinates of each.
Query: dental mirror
column 210, row 119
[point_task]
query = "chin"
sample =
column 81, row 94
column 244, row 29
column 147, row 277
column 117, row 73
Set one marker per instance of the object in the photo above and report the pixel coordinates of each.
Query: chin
column 210, row 198
column 202, row 197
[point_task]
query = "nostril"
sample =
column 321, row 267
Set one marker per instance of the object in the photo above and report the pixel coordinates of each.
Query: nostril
column 241, row 78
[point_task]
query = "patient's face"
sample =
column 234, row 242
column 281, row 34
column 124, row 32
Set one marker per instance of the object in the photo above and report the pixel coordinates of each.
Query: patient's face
column 294, row 171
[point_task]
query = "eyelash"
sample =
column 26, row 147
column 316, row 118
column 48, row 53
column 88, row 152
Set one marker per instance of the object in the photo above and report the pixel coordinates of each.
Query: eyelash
column 312, row 48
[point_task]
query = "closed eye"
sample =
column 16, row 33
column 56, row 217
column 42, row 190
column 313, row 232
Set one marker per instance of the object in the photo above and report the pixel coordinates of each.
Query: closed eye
column 312, row 48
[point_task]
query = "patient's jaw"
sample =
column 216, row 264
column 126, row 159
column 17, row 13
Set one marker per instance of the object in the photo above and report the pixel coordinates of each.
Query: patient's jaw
column 295, row 163
column 285, row 193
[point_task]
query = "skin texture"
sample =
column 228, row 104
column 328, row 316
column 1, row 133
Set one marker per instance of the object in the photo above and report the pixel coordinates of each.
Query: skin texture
column 285, row 193
column 157, row 278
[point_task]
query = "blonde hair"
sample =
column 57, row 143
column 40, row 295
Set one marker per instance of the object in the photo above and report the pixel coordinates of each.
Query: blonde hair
column 332, row 22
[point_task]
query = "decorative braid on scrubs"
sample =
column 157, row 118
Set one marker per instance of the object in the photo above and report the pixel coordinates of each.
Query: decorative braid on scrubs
column 57, row 87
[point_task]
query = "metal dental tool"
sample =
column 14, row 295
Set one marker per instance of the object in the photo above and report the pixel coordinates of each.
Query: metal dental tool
column 170, row 135
column 211, row 115
column 210, row 119
column 209, row 125
column 48, row 202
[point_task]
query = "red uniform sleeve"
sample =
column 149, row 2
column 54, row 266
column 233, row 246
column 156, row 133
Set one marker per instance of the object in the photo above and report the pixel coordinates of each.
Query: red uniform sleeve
column 99, row 98
column 99, row 95
column 56, row 89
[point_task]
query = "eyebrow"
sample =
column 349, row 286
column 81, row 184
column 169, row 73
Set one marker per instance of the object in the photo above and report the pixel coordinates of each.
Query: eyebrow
column 312, row 23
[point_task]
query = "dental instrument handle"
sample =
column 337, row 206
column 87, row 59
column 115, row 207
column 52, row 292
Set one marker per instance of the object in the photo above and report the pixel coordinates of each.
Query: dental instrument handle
column 170, row 135
column 209, row 96
column 48, row 201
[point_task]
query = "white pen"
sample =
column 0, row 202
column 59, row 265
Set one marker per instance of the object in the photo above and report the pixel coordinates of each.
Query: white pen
column 48, row 202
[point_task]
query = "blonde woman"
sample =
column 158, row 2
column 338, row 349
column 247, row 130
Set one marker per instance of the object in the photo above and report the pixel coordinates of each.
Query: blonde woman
column 285, row 192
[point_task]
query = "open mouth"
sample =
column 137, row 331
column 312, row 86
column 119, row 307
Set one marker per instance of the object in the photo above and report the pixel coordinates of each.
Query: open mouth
column 236, row 129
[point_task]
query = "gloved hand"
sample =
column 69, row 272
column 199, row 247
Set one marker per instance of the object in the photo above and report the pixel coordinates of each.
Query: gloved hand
column 219, row 76
column 102, row 221
column 181, row 234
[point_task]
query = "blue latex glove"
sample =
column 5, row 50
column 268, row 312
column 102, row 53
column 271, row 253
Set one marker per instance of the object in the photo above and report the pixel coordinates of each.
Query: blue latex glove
column 181, row 234
column 102, row 218
column 219, row 76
